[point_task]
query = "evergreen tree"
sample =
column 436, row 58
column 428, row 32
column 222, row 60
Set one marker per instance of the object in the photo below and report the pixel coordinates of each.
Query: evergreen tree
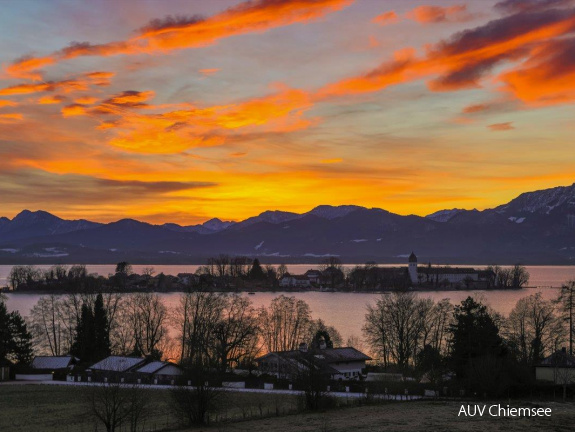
column 15, row 340
column 21, row 345
column 5, row 335
column 101, row 330
column 256, row 272
column 474, row 335
column 83, row 346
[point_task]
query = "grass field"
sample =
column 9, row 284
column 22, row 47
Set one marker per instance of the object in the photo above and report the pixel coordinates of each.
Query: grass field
column 408, row 416
column 50, row 408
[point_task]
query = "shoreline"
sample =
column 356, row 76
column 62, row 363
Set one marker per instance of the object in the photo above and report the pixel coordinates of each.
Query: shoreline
column 249, row 292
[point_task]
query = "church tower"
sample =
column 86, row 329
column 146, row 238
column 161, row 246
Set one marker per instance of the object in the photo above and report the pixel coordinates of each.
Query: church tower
column 413, row 268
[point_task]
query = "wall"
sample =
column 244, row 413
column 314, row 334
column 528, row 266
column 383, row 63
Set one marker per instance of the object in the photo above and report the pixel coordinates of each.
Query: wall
column 34, row 377
column 556, row 375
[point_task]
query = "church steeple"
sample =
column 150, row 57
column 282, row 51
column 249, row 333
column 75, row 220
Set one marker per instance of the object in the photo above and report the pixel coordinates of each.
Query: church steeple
column 413, row 268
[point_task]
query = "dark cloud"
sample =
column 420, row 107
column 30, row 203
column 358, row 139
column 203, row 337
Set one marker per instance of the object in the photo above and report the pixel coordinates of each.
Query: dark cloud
column 171, row 22
column 467, row 76
column 514, row 6
column 48, row 189
column 501, row 30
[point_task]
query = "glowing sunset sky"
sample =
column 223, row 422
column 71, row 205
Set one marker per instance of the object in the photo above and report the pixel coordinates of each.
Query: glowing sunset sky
column 185, row 110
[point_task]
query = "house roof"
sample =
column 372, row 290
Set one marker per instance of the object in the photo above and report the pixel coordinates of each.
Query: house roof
column 154, row 367
column 328, row 355
column 559, row 358
column 117, row 363
column 52, row 362
column 450, row 270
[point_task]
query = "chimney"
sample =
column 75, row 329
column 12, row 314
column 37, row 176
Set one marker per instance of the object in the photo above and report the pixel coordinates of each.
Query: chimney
column 303, row 347
column 564, row 350
column 322, row 344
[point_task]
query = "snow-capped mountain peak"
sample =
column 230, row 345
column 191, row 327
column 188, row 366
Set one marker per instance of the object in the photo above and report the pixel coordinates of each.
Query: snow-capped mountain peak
column 216, row 224
column 542, row 201
column 443, row 215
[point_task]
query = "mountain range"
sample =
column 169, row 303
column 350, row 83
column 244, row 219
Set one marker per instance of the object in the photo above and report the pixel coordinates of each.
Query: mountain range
column 534, row 228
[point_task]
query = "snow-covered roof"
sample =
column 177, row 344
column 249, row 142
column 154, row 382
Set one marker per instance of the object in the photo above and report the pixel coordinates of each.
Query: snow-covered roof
column 154, row 367
column 117, row 363
column 51, row 362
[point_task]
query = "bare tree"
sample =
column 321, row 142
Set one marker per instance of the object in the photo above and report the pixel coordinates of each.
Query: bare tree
column 356, row 342
column 193, row 404
column 148, row 317
column 395, row 325
column 115, row 404
column 196, row 317
column 533, row 328
column 281, row 271
column 285, row 323
column 51, row 335
column 23, row 275
column 235, row 331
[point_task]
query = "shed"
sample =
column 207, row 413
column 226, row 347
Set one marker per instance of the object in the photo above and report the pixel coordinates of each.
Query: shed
column 54, row 363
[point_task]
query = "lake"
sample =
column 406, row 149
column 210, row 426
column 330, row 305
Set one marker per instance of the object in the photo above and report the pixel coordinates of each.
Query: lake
column 344, row 311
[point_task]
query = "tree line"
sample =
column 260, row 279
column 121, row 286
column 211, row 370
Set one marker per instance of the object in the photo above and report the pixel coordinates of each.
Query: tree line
column 237, row 273
column 469, row 341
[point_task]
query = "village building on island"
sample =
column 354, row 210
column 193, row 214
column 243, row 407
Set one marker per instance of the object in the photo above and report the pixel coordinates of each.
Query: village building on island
column 447, row 276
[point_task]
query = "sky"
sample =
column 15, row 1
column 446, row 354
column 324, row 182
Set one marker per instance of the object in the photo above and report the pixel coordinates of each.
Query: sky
column 181, row 111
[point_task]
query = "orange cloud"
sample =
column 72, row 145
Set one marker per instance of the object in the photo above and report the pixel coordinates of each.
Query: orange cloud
column 497, row 127
column 386, row 18
column 26, row 67
column 100, row 78
column 157, row 140
column 67, row 86
column 182, row 33
column 86, row 100
column 403, row 68
column 10, row 118
column 437, row 14
column 7, row 103
column 462, row 61
column 74, row 110
column 547, row 77
column 175, row 131
column 51, row 99
column 470, row 109
column 209, row 72
column 131, row 98
column 332, row 161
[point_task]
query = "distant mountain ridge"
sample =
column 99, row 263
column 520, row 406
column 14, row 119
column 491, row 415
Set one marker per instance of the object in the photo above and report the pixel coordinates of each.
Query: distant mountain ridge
column 536, row 227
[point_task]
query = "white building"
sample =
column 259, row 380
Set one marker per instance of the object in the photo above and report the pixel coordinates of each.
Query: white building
column 437, row 275
column 558, row 368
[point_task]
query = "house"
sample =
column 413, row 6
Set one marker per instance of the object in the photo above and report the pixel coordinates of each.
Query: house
column 117, row 364
column 295, row 281
column 314, row 276
column 558, row 368
column 160, row 370
column 52, row 364
column 188, row 278
column 339, row 363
